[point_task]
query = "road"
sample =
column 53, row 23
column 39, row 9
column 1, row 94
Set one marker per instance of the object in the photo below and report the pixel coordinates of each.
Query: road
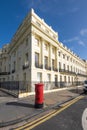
column 67, row 117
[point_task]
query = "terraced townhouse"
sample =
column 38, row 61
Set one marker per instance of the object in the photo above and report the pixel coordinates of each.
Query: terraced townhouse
column 35, row 55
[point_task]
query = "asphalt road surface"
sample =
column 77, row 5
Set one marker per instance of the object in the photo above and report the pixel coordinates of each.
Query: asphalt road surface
column 69, row 119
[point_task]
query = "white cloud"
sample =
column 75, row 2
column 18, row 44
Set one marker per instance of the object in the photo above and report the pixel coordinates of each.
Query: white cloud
column 29, row 4
column 81, row 43
column 74, row 10
column 67, row 11
column 83, row 32
column 75, row 39
column 72, row 39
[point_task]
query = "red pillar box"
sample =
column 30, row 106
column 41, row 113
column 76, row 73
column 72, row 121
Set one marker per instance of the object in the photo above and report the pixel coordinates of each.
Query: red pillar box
column 39, row 95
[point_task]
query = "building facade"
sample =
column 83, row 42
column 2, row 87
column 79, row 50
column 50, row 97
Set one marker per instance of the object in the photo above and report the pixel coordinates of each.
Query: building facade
column 36, row 55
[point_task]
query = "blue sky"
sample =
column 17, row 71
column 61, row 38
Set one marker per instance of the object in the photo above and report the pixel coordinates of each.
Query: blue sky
column 67, row 17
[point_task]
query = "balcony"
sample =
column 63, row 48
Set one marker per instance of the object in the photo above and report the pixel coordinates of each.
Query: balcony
column 83, row 75
column 4, row 73
column 62, row 70
column 25, row 66
column 71, row 72
column 47, row 67
column 9, row 73
column 66, row 71
column 13, row 71
column 55, row 69
column 38, row 65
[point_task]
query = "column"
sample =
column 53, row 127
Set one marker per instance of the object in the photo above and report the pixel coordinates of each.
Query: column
column 56, row 57
column 16, row 60
column 31, row 51
column 50, row 55
column 42, row 52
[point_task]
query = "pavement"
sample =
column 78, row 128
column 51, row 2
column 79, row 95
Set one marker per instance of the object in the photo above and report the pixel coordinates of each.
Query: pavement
column 14, row 110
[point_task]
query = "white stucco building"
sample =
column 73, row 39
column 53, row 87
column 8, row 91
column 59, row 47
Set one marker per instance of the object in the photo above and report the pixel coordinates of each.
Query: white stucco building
column 35, row 55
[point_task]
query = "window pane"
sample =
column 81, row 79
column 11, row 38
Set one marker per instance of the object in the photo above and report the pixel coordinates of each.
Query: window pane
column 48, row 77
column 46, row 61
column 36, row 58
column 53, row 50
column 39, row 77
column 36, row 42
column 53, row 64
column 59, row 65
column 45, row 46
column 26, row 57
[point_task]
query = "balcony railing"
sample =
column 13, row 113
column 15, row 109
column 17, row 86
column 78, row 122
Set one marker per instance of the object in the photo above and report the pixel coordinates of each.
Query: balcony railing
column 13, row 71
column 25, row 66
column 47, row 67
column 4, row 73
column 38, row 65
column 84, row 75
column 66, row 71
column 9, row 73
column 55, row 69
column 71, row 72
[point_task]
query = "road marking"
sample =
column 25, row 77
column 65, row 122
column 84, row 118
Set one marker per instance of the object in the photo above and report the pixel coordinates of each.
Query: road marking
column 66, row 103
column 39, row 121
column 35, row 121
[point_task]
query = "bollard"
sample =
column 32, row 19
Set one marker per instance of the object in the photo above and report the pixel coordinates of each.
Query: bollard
column 39, row 95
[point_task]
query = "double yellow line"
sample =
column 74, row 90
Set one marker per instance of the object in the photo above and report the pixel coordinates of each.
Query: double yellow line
column 35, row 123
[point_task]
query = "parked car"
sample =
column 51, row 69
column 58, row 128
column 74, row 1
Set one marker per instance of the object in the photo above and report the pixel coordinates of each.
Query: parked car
column 85, row 86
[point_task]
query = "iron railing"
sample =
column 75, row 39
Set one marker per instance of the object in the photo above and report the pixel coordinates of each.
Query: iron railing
column 55, row 69
column 47, row 67
column 4, row 73
column 71, row 72
column 18, row 87
column 38, row 65
column 83, row 75
column 25, row 66
column 66, row 71
column 13, row 71
column 15, row 87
